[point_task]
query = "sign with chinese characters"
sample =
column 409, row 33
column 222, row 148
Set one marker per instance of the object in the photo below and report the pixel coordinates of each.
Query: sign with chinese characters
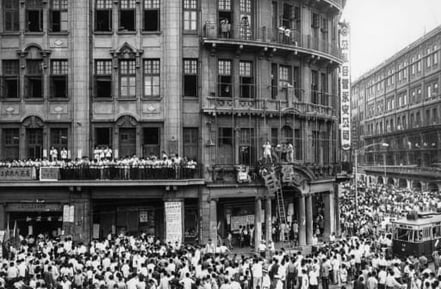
column 17, row 173
column 345, row 87
column 68, row 213
column 49, row 173
column 173, row 222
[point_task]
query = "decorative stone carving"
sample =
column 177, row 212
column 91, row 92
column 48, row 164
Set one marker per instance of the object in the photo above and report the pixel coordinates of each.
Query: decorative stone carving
column 126, row 121
column 33, row 122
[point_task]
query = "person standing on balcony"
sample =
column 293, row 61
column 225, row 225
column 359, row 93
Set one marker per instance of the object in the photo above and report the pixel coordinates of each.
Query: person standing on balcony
column 225, row 27
column 290, row 153
column 53, row 154
column 267, row 151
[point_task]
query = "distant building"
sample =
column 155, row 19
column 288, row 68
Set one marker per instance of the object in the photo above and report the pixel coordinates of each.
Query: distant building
column 396, row 117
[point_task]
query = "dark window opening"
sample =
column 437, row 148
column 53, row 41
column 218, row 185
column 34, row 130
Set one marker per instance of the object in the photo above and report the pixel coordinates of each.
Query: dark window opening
column 151, row 20
column 274, row 81
column 152, row 142
column 34, row 139
column 246, row 79
column 103, row 136
column 127, row 20
column 225, row 23
column 224, row 78
column 34, row 20
column 103, row 87
column 59, row 86
column 103, row 20
column 34, row 87
column 225, row 136
column 59, row 15
column 191, row 77
column 191, row 137
column 287, row 16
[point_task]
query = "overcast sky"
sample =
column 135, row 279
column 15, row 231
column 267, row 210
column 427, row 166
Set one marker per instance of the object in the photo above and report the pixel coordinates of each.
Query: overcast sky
column 379, row 28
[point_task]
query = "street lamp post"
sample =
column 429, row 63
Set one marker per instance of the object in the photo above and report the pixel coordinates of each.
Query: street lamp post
column 356, row 169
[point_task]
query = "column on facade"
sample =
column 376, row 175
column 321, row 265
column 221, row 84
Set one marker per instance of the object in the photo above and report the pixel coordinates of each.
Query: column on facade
column 213, row 221
column 268, row 221
column 257, row 223
column 302, row 220
column 309, row 219
column 329, row 214
column 2, row 217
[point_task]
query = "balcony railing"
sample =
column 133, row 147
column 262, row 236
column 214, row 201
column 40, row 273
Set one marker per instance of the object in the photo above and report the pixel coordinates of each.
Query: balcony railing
column 283, row 36
column 409, row 170
column 100, row 173
column 268, row 105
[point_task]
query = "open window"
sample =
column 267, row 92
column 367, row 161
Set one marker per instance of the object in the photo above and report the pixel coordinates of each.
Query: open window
column 151, row 15
column 246, row 79
column 127, row 15
column 34, row 15
column 34, row 79
column 103, row 78
column 103, row 15
column 225, row 79
column 191, row 77
column 11, row 79
column 59, row 14
column 59, row 77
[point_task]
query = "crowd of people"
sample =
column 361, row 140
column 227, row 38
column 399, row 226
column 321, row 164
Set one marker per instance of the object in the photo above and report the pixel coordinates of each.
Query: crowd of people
column 103, row 166
column 358, row 259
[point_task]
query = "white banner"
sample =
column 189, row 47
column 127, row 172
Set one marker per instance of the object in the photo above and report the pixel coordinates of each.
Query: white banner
column 173, row 221
column 345, row 85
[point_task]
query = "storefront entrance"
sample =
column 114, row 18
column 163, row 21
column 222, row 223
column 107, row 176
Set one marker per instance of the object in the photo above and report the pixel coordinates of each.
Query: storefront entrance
column 35, row 223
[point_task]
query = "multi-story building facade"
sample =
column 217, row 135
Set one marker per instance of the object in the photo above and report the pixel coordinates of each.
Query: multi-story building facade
column 396, row 111
column 209, row 80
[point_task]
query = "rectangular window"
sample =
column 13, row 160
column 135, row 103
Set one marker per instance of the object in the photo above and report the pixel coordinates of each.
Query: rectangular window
column 103, row 15
column 324, row 89
column 34, row 143
column 151, row 15
column 315, row 21
column 127, row 15
column 284, row 76
column 152, row 74
column 274, row 81
column 246, row 79
column 434, row 115
column 191, row 77
column 191, row 141
column 59, row 138
column 274, row 136
column 127, row 77
column 190, row 15
column 152, row 141
column 287, row 16
column 34, row 15
column 247, row 149
column 314, row 86
column 225, row 79
column 103, row 78
column 10, row 15
column 59, row 72
column 246, row 22
column 103, row 136
column 11, row 142
column 59, row 15
column 11, row 79
column 224, row 5
column 34, row 79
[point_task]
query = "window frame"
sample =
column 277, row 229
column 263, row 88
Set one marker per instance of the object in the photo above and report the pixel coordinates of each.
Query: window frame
column 155, row 5
column 191, row 71
column 34, row 6
column 33, row 76
column 130, row 74
column 103, row 73
column 102, row 6
column 190, row 16
column 9, row 75
column 131, row 7
column 152, row 70
column 61, row 7
column 224, row 71
column 61, row 73
column 13, row 10
column 246, row 73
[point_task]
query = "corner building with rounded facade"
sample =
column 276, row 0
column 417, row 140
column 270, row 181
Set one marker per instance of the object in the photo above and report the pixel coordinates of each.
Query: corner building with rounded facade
column 209, row 80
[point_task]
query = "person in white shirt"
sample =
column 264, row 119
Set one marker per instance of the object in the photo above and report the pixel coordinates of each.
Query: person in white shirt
column 186, row 282
column 257, row 272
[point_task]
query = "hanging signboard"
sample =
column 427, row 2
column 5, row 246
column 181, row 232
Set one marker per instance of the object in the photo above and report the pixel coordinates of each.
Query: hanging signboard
column 49, row 173
column 173, row 222
column 17, row 173
column 345, row 88
column 68, row 213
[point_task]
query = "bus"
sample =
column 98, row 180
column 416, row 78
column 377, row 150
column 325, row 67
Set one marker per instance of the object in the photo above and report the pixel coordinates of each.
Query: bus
column 417, row 235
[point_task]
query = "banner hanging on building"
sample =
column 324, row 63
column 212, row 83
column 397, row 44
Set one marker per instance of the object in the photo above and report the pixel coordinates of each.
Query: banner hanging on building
column 345, row 87
column 173, row 222
column 17, row 173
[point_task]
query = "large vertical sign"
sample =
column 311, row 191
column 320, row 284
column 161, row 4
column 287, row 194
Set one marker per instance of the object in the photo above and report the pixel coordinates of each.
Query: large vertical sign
column 173, row 222
column 345, row 88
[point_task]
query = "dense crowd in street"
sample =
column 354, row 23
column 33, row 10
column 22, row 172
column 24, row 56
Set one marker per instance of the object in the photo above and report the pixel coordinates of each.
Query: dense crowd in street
column 359, row 259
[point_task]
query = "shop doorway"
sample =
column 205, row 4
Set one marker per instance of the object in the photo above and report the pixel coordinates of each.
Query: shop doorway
column 35, row 223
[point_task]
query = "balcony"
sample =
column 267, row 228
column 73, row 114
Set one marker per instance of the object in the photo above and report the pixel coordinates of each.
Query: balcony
column 229, row 173
column 99, row 173
column 238, row 106
column 269, row 40
column 414, row 171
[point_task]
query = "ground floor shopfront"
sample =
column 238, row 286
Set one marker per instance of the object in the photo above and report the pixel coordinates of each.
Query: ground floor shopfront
column 192, row 212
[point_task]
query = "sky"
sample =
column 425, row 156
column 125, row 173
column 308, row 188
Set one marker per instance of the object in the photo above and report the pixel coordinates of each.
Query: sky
column 380, row 28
